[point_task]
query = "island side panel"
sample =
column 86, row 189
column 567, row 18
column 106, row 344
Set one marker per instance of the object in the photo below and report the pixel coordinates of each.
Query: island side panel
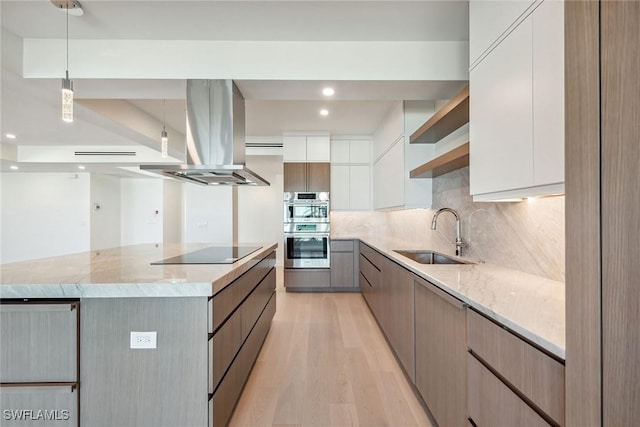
column 125, row 387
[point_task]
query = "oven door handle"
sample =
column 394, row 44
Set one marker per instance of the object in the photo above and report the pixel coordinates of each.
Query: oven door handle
column 306, row 235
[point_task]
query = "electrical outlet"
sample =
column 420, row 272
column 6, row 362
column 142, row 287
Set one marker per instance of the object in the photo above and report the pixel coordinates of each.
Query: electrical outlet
column 143, row 340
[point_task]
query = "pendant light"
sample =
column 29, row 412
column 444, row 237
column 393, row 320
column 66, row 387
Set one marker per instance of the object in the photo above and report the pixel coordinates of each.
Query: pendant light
column 67, row 84
column 71, row 7
column 164, row 138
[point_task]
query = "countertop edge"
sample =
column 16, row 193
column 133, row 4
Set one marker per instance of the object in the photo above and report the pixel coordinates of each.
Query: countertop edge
column 163, row 288
column 529, row 335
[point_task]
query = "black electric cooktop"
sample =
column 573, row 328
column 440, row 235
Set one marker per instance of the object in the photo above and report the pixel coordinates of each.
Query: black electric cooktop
column 211, row 255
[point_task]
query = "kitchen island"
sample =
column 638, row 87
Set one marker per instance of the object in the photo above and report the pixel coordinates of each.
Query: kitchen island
column 104, row 338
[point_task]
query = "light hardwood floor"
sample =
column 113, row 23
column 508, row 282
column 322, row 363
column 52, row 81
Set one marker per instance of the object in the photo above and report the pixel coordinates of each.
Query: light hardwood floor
column 325, row 362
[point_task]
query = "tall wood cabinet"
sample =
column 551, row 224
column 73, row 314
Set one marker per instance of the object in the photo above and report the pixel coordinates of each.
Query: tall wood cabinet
column 602, row 211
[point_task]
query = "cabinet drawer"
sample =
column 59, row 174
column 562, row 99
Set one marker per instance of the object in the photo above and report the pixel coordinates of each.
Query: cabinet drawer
column 223, row 347
column 256, row 302
column 36, row 406
column 227, row 395
column 370, row 272
column 211, row 412
column 307, row 278
column 491, row 403
column 342, row 246
column 532, row 372
column 374, row 257
column 39, row 342
column 228, row 299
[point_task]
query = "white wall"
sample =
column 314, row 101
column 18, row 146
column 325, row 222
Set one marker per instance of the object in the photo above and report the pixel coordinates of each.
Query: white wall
column 105, row 211
column 208, row 214
column 260, row 213
column 140, row 199
column 44, row 214
column 172, row 203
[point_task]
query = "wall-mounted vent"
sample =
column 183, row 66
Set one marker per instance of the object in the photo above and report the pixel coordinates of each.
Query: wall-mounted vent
column 105, row 153
column 264, row 144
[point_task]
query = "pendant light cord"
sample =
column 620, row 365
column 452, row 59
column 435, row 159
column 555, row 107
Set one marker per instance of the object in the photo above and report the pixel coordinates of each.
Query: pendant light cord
column 67, row 35
column 164, row 114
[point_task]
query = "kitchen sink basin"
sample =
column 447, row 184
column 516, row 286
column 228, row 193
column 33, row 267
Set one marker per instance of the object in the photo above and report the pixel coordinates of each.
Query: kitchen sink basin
column 429, row 257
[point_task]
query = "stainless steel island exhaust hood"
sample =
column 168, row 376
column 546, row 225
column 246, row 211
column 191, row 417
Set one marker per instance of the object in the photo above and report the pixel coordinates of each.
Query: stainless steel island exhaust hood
column 215, row 137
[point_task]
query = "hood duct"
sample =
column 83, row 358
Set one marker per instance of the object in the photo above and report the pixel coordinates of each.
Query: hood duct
column 215, row 137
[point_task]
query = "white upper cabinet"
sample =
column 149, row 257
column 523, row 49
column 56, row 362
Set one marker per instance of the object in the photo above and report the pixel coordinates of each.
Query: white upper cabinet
column 389, row 131
column 394, row 157
column 360, row 151
column 340, row 151
column 490, row 20
column 500, row 116
column 517, row 110
column 318, row 149
column 548, row 93
column 306, row 148
column 351, row 174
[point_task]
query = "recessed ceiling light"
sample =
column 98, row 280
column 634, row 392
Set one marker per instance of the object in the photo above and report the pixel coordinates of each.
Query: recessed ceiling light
column 328, row 91
column 14, row 167
column 324, row 112
column 81, row 167
column 10, row 135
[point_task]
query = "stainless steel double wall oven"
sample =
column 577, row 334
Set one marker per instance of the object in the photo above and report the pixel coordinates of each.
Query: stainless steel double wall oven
column 306, row 230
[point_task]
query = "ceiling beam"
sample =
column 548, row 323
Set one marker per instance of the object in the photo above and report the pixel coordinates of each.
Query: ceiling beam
column 259, row 60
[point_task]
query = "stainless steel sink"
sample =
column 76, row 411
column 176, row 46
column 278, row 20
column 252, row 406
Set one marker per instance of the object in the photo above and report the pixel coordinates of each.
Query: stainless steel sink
column 429, row 257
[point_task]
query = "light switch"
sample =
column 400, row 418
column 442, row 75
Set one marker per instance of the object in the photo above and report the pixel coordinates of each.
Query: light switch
column 143, row 340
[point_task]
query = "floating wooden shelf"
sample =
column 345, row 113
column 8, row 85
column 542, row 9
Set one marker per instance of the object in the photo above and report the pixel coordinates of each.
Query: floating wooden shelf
column 449, row 161
column 454, row 114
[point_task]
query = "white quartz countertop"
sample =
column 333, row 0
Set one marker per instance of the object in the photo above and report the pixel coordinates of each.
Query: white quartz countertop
column 123, row 272
column 531, row 306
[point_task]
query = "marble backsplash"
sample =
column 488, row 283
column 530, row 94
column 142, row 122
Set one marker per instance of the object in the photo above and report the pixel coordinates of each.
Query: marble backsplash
column 527, row 236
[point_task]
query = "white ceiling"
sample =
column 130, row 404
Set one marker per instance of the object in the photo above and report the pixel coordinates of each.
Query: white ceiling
column 244, row 20
column 31, row 106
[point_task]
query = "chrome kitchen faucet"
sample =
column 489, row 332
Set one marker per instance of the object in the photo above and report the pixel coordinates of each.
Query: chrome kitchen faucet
column 459, row 242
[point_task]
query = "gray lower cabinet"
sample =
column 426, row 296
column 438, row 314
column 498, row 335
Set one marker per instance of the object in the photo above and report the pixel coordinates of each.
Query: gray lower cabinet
column 161, row 387
column 344, row 265
column 441, row 365
column 492, row 403
column 39, row 364
column 468, row 369
column 307, row 279
column 370, row 275
column 388, row 289
column 39, row 342
column 397, row 313
column 226, row 396
column 524, row 384
column 194, row 377
column 43, row 405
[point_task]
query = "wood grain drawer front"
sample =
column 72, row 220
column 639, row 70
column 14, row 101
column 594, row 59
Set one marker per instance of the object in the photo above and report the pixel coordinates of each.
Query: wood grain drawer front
column 341, row 245
column 223, row 347
column 370, row 272
column 492, row 404
column 372, row 255
column 55, row 406
column 228, row 393
column 228, row 299
column 39, row 342
column 441, row 354
column 307, row 278
column 256, row 302
column 537, row 376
